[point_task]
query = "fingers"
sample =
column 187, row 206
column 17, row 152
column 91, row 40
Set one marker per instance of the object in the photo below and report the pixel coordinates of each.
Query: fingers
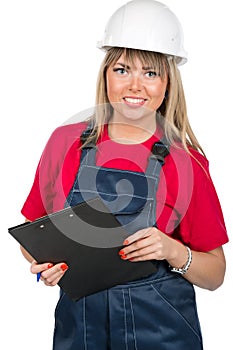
column 50, row 274
column 139, row 235
column 36, row 268
column 53, row 275
column 143, row 245
column 140, row 254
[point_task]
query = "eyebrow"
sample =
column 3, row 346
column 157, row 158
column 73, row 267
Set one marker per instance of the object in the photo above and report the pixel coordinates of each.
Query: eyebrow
column 128, row 67
column 123, row 65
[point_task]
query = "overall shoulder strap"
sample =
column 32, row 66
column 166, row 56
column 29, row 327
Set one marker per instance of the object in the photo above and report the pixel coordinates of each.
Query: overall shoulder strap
column 160, row 150
column 88, row 154
column 85, row 134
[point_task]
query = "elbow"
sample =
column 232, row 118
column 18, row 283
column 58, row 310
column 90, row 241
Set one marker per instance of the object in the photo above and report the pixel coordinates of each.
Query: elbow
column 215, row 286
column 217, row 282
column 218, row 271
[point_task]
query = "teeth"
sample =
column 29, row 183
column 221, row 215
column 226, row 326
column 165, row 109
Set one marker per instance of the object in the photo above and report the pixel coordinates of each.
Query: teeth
column 134, row 100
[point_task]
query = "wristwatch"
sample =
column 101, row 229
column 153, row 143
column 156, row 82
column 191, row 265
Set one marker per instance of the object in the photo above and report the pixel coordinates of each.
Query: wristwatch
column 186, row 266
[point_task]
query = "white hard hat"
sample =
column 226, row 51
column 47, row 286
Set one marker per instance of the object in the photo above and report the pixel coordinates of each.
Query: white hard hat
column 145, row 25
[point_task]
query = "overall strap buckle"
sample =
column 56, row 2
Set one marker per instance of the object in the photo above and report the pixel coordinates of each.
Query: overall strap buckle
column 160, row 150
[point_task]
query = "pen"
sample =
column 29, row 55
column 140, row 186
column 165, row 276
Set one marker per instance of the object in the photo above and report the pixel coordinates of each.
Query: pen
column 38, row 276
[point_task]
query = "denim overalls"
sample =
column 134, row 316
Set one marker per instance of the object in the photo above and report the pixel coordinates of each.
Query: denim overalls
column 153, row 313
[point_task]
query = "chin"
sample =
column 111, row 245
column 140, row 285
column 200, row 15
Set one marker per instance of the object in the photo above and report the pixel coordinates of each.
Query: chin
column 134, row 114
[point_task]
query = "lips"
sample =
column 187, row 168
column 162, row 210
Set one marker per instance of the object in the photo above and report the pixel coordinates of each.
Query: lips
column 134, row 101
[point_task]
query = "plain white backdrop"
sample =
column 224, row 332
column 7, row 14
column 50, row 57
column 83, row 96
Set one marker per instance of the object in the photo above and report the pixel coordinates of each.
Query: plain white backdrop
column 49, row 64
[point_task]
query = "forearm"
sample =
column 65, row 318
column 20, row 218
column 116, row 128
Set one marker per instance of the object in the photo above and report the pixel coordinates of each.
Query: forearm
column 27, row 256
column 207, row 270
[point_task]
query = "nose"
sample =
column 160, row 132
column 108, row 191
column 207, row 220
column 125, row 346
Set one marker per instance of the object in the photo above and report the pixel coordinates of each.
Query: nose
column 135, row 83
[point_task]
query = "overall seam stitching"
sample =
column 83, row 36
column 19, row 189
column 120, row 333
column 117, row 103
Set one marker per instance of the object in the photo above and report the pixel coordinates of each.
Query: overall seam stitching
column 125, row 318
column 84, row 324
column 133, row 321
column 180, row 315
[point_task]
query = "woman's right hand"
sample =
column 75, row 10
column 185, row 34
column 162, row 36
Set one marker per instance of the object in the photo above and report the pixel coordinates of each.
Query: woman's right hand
column 50, row 274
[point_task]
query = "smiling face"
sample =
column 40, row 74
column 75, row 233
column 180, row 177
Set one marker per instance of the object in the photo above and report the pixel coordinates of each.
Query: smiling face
column 134, row 90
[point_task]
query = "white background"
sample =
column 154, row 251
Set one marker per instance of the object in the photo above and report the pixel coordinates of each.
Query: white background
column 49, row 63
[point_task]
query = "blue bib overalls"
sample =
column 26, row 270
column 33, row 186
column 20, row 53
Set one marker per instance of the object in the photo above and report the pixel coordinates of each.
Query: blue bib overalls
column 154, row 313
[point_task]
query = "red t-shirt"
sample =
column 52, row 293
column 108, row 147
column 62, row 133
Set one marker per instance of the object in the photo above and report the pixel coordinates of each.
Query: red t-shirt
column 187, row 209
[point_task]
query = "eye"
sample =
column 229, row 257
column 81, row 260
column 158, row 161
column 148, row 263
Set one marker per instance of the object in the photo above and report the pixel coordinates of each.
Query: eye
column 120, row 71
column 151, row 74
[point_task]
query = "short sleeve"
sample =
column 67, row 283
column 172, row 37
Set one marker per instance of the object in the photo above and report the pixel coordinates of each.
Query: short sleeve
column 203, row 227
column 44, row 191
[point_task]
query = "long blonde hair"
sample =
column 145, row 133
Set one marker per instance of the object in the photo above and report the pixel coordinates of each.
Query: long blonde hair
column 172, row 113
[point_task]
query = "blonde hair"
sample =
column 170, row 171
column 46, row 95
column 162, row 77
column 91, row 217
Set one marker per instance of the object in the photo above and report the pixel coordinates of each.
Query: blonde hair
column 172, row 113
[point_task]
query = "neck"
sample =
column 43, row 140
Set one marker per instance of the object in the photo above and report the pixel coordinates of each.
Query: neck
column 130, row 133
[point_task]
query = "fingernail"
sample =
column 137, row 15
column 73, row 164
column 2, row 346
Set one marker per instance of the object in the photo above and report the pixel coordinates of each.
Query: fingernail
column 49, row 266
column 121, row 252
column 126, row 242
column 64, row 267
column 123, row 256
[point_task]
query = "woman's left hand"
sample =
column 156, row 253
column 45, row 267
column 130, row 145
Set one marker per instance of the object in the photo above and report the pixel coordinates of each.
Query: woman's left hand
column 206, row 271
column 147, row 244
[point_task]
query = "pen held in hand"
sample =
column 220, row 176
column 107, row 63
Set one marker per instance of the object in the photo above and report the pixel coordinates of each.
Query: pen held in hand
column 38, row 276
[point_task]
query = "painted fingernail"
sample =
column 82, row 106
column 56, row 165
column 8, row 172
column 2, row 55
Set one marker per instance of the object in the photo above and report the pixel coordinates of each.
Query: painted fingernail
column 121, row 252
column 49, row 266
column 126, row 242
column 64, row 267
column 123, row 256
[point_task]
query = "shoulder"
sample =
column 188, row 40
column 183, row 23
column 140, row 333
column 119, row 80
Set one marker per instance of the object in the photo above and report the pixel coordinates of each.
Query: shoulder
column 64, row 137
column 186, row 171
column 200, row 166
column 192, row 158
column 63, row 143
column 199, row 159
column 68, row 132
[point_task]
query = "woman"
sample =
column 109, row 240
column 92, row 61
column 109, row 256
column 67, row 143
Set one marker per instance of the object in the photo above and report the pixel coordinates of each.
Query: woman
column 149, row 169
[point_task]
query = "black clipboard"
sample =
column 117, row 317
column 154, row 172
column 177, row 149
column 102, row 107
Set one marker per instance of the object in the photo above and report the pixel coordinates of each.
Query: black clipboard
column 88, row 238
